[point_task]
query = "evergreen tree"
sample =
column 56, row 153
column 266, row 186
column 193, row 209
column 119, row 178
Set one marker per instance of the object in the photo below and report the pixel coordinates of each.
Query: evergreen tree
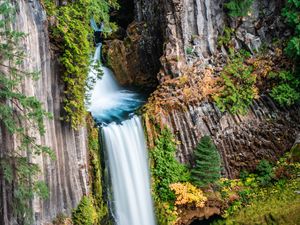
column 208, row 163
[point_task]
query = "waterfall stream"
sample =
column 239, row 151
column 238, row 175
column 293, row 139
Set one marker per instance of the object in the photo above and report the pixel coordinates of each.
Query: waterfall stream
column 124, row 141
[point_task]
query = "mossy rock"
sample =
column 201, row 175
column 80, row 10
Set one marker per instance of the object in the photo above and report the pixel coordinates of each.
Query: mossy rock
column 85, row 213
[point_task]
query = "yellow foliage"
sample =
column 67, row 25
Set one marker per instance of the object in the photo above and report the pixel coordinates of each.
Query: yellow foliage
column 187, row 193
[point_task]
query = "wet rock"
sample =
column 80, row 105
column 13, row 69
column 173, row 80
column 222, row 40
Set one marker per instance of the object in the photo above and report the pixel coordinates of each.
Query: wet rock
column 131, row 59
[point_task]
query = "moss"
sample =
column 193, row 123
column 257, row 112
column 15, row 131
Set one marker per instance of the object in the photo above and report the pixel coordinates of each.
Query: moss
column 95, row 172
column 92, row 209
column 85, row 213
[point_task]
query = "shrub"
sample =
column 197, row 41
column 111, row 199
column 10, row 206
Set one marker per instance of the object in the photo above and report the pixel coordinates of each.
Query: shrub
column 239, row 8
column 286, row 91
column 239, row 88
column 291, row 12
column 166, row 214
column 284, row 94
column 271, row 205
column 207, row 168
column 188, row 194
column 189, row 50
column 85, row 213
column 165, row 168
column 265, row 172
column 225, row 38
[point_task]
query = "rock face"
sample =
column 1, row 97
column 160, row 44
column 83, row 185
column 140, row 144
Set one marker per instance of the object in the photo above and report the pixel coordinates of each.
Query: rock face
column 266, row 132
column 190, row 29
column 190, row 32
column 67, row 176
column 133, row 60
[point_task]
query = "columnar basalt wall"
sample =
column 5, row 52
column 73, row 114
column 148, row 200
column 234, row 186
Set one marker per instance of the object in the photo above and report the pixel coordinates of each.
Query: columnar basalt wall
column 67, row 176
column 267, row 131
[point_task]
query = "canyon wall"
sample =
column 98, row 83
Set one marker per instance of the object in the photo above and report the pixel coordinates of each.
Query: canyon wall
column 190, row 42
column 67, row 176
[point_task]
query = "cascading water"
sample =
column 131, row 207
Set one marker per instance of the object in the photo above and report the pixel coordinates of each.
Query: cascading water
column 125, row 144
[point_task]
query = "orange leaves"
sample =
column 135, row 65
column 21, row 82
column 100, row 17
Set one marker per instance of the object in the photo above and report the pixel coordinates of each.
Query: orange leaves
column 188, row 194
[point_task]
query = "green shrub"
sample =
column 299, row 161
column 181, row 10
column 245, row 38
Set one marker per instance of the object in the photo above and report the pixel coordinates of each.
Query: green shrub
column 225, row 38
column 85, row 213
column 189, row 50
column 238, row 86
column 265, row 173
column 286, row 92
column 208, row 163
column 166, row 169
column 271, row 205
column 239, row 8
column 291, row 12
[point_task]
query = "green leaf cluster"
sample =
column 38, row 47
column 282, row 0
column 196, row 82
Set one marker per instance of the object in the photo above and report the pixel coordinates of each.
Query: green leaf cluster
column 226, row 37
column 238, row 86
column 166, row 169
column 207, row 169
column 265, row 172
column 276, row 204
column 85, row 213
column 95, row 172
column 238, row 8
column 71, row 33
column 286, row 92
column 258, row 188
column 287, row 89
column 20, row 117
column 291, row 12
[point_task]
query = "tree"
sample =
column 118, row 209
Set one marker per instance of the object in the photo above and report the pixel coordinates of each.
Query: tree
column 208, row 163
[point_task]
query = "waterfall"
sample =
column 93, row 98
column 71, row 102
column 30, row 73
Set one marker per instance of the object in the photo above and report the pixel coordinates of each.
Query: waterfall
column 109, row 101
column 129, row 171
column 112, row 106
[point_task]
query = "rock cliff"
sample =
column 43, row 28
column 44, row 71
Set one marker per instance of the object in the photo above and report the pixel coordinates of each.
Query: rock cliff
column 190, row 45
column 67, row 176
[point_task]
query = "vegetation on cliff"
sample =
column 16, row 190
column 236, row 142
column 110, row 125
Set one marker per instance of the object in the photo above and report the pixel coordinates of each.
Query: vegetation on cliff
column 96, row 173
column 238, row 8
column 238, row 81
column 21, row 116
column 165, row 168
column 172, row 186
column 273, row 201
column 71, row 33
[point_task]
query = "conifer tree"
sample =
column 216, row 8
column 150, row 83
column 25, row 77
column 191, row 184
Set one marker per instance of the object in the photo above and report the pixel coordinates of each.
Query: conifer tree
column 208, row 163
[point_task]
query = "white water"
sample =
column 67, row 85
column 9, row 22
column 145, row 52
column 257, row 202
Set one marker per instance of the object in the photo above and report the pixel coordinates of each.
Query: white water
column 126, row 149
column 110, row 102
column 129, row 172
